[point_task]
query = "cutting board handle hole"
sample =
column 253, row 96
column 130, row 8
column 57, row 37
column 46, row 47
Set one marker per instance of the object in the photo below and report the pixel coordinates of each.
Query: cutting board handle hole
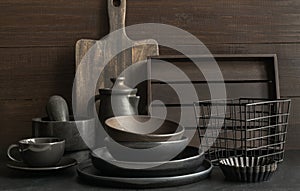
column 117, row 3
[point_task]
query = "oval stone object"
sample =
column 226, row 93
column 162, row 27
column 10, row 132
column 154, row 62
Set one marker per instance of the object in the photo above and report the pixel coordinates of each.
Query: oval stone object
column 57, row 109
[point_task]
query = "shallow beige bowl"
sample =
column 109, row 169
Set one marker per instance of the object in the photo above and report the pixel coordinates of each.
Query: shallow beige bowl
column 141, row 128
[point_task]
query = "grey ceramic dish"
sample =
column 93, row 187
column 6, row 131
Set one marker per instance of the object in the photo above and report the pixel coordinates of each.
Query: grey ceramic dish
column 248, row 169
column 186, row 162
column 87, row 172
column 145, row 151
column 67, row 130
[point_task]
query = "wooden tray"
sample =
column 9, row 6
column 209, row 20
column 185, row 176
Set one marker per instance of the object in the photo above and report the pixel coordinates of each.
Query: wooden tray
column 251, row 76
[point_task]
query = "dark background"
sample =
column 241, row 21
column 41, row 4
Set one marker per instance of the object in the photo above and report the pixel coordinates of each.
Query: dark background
column 37, row 39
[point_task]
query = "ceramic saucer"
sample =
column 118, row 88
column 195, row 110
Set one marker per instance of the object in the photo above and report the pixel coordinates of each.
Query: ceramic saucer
column 64, row 163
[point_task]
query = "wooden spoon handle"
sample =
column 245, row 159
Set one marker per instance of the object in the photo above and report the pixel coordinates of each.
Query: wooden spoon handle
column 116, row 14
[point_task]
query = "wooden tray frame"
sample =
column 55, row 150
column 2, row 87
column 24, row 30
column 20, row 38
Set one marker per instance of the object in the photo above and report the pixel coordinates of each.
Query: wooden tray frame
column 270, row 61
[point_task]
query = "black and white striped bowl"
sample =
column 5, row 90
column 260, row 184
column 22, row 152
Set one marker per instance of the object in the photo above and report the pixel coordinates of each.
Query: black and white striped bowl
column 248, row 169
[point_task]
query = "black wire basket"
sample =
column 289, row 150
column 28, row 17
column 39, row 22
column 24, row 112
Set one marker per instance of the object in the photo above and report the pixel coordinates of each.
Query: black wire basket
column 243, row 127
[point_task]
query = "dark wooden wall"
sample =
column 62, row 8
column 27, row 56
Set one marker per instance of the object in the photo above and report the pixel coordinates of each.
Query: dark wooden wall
column 38, row 37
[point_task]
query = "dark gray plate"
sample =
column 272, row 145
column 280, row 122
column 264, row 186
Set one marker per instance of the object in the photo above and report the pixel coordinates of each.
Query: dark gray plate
column 64, row 163
column 87, row 172
column 186, row 162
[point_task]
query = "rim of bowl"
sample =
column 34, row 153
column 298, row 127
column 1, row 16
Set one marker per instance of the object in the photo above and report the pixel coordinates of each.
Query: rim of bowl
column 182, row 139
column 150, row 163
column 81, row 119
column 222, row 163
column 177, row 132
column 58, row 141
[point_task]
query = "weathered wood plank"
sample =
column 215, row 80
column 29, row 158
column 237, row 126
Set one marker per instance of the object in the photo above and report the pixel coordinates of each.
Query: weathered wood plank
column 288, row 58
column 183, row 115
column 294, row 125
column 31, row 73
column 16, row 115
column 168, row 95
column 232, row 69
column 287, row 54
column 248, row 21
column 51, row 23
column 44, row 23
column 295, row 111
column 292, row 141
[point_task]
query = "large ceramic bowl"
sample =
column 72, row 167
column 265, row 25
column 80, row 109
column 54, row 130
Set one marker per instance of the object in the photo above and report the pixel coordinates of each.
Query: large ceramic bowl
column 139, row 128
column 72, row 131
column 145, row 151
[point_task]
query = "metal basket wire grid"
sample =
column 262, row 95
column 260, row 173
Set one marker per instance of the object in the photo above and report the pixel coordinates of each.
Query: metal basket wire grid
column 242, row 127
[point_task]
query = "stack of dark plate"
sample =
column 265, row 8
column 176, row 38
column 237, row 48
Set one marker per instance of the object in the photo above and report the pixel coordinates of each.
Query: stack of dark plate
column 145, row 156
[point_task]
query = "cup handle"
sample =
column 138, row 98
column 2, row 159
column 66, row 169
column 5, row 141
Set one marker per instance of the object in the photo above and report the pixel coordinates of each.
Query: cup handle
column 9, row 155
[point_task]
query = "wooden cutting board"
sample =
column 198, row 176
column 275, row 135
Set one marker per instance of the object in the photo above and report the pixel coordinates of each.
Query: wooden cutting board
column 139, row 52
